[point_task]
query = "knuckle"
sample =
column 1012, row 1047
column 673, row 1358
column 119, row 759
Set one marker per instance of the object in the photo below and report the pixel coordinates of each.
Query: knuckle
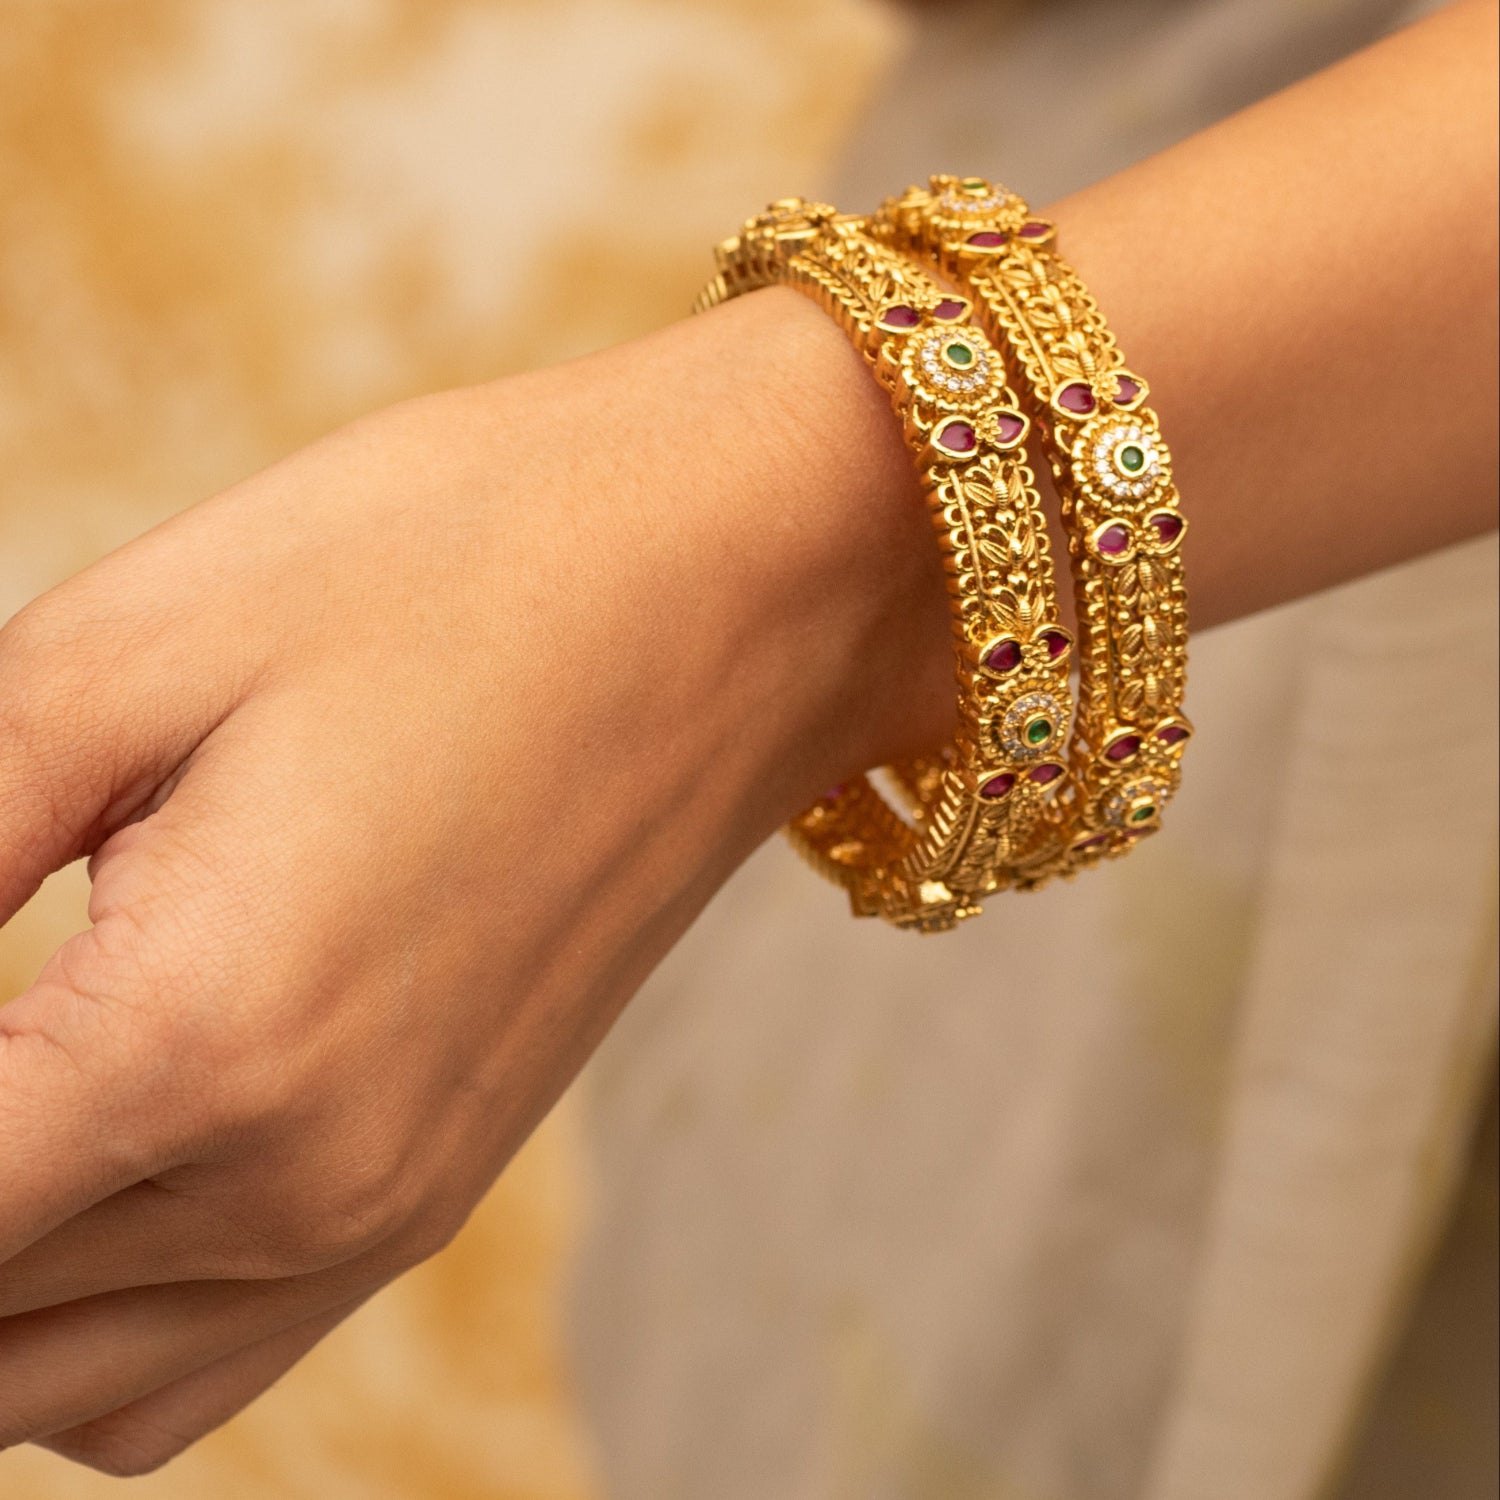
column 123, row 1445
column 431, row 1233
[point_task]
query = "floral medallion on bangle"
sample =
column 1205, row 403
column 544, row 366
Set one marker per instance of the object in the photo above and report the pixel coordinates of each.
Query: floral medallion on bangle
column 1113, row 475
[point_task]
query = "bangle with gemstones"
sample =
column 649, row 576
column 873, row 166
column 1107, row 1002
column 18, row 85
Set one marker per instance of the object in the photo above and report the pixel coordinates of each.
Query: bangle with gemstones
column 1113, row 476
column 969, row 811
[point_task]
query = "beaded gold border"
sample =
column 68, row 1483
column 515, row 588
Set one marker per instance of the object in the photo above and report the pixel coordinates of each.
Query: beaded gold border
column 1124, row 525
column 974, row 808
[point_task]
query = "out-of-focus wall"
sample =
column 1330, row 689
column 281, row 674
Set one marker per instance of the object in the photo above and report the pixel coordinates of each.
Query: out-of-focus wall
column 228, row 225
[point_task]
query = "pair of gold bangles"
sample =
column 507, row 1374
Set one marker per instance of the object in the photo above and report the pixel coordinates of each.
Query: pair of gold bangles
column 987, row 343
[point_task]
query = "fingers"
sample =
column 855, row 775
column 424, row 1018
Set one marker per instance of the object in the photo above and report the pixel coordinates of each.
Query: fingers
column 67, row 1366
column 144, row 1236
column 80, row 1096
column 118, row 1063
column 140, row 1437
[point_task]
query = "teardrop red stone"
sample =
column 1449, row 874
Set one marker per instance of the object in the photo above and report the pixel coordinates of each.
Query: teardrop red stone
column 1113, row 540
column 1077, row 398
column 958, row 437
column 1005, row 656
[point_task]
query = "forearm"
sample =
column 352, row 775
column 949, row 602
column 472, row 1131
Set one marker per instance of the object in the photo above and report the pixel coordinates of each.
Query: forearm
column 1309, row 286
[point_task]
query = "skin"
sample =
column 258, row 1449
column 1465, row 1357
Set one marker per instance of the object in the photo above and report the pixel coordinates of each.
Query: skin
column 401, row 764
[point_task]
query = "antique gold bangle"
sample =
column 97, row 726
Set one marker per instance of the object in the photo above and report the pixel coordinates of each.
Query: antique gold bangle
column 1113, row 476
column 973, row 809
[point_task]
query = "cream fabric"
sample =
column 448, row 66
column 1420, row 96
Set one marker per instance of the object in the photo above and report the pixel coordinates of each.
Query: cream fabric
column 1121, row 1193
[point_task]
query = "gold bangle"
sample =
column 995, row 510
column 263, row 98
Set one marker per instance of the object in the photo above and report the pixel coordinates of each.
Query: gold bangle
column 974, row 807
column 1113, row 475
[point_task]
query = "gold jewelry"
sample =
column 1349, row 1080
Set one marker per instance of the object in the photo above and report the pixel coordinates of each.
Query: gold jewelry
column 1113, row 476
column 974, row 807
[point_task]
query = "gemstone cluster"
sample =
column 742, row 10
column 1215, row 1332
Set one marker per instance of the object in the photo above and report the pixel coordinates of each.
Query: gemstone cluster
column 1030, row 726
column 1137, row 805
column 1127, row 459
column 954, row 362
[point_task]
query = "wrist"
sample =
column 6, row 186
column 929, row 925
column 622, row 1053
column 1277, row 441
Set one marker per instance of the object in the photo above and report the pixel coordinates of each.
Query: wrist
column 790, row 527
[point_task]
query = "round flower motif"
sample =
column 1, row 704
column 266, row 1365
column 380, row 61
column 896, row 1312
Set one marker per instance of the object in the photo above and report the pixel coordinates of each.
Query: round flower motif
column 1137, row 805
column 1032, row 725
column 1125, row 458
column 953, row 364
column 961, row 202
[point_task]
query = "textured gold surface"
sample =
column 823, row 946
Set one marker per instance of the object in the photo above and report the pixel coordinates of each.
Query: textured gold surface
column 974, row 808
column 1131, row 601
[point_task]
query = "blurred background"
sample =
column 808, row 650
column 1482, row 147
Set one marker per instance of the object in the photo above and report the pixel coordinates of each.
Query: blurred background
column 1161, row 1188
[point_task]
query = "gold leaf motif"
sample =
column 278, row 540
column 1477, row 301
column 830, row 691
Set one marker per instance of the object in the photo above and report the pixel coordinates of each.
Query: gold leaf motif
column 1130, row 698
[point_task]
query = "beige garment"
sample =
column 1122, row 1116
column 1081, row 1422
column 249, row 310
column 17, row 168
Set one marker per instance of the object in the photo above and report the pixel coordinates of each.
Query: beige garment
column 1121, row 1193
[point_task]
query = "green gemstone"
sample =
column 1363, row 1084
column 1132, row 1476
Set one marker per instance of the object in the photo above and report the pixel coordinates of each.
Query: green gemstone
column 974, row 185
column 1132, row 458
column 959, row 355
column 1143, row 814
column 1038, row 732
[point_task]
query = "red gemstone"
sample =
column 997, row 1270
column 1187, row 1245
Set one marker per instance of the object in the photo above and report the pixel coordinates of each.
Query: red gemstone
column 949, row 308
column 987, row 239
column 1113, row 540
column 1124, row 747
column 900, row 316
column 1011, row 426
column 957, row 437
column 1046, row 773
column 1171, row 734
column 998, row 786
column 1003, row 657
column 1035, row 230
column 1056, row 642
column 1168, row 527
column 1126, row 390
column 1077, row 398
column 1091, row 843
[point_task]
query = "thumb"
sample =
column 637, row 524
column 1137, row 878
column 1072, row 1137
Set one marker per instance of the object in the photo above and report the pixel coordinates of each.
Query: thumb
column 103, row 696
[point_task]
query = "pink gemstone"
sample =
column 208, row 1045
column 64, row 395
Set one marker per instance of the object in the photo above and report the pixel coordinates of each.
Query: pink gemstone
column 1168, row 527
column 1171, row 734
column 1126, row 390
column 833, row 793
column 958, row 437
column 1004, row 657
column 1011, row 425
column 1124, row 747
column 1113, row 540
column 1056, row 643
column 1048, row 772
column 1035, row 230
column 998, row 786
column 1077, row 398
column 900, row 316
column 987, row 239
column 949, row 309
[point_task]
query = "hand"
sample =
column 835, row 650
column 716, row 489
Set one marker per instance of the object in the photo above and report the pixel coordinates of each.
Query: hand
column 400, row 765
